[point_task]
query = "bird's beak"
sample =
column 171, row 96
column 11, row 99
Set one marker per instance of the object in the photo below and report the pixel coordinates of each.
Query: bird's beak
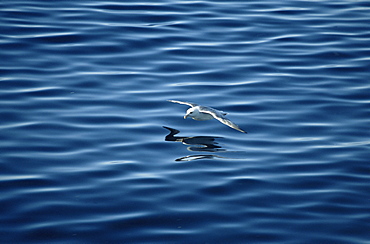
column 186, row 115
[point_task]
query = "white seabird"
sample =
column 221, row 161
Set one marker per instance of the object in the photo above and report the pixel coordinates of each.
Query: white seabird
column 198, row 112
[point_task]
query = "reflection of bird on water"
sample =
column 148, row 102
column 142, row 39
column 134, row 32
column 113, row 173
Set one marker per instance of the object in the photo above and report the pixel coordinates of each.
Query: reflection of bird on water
column 198, row 112
column 195, row 157
column 204, row 143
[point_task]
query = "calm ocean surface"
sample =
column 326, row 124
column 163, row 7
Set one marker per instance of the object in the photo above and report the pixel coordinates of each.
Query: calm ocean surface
column 92, row 152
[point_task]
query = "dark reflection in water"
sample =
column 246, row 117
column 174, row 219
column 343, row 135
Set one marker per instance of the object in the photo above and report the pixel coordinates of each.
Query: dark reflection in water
column 196, row 143
column 201, row 143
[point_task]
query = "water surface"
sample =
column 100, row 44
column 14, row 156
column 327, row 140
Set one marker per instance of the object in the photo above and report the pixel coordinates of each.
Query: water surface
column 87, row 153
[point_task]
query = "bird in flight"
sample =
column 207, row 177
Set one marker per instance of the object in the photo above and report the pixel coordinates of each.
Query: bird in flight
column 199, row 112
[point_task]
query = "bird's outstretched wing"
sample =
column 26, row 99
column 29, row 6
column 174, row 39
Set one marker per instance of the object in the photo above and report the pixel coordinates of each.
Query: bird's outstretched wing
column 186, row 103
column 220, row 117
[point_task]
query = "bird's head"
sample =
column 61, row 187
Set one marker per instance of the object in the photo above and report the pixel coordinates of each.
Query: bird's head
column 191, row 112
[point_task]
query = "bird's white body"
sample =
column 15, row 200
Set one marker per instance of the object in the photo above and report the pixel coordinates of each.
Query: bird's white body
column 195, row 114
column 198, row 112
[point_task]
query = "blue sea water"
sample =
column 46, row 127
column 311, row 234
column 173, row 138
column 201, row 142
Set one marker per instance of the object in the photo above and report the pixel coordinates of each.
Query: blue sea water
column 91, row 151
